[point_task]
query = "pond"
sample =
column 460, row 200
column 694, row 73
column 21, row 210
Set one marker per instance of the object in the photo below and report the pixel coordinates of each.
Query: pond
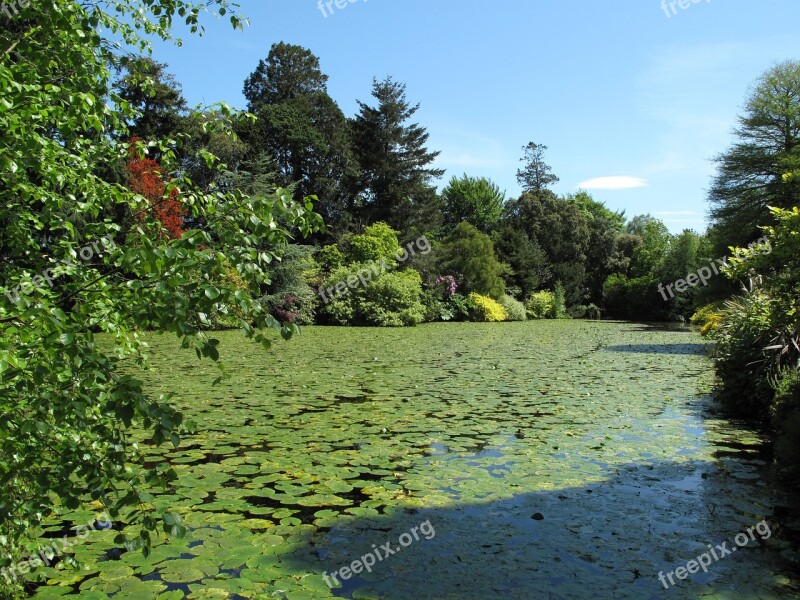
column 547, row 459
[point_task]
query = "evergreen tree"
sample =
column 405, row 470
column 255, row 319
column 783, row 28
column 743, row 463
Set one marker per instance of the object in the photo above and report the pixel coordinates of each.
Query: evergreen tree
column 396, row 174
column 750, row 175
column 302, row 129
column 157, row 99
column 537, row 175
column 469, row 255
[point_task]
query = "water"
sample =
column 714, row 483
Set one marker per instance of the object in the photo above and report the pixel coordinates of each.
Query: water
column 564, row 459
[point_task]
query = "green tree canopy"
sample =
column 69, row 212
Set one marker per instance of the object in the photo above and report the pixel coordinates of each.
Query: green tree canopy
column 561, row 229
column 750, row 175
column 302, row 129
column 155, row 96
column 289, row 72
column 475, row 200
column 469, row 255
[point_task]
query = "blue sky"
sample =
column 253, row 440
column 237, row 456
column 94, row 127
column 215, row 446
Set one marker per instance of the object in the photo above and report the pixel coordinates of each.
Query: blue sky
column 621, row 93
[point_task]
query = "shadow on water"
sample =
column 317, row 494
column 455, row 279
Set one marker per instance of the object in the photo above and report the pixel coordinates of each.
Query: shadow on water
column 604, row 540
column 660, row 348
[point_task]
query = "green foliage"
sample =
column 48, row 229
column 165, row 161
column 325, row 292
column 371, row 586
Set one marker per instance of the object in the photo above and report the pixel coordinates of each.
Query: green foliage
column 156, row 97
column 515, row 310
column 536, row 175
column 648, row 255
column 66, row 407
column 396, row 180
column 785, row 413
column 377, row 297
column 486, row 309
column 290, row 296
column 528, row 265
column 562, row 231
column 751, row 174
column 302, row 128
column 581, row 311
column 758, row 338
column 289, row 72
column 461, row 306
column 681, row 258
column 559, row 304
column 436, row 307
column 541, row 305
column 475, row 200
column 378, row 243
column 330, row 257
column 636, row 298
column 470, row 254
column 393, row 300
column 605, row 227
column 742, row 365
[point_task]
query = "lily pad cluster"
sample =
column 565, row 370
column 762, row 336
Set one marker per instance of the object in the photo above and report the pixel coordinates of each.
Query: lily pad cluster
column 551, row 457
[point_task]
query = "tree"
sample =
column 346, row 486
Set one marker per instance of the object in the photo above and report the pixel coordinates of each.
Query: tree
column 469, row 254
column 66, row 405
column 536, row 175
column 155, row 96
column 396, row 181
column 528, row 265
column 681, row 258
column 475, row 200
column 290, row 72
column 750, row 175
column 561, row 230
column 302, row 129
column 656, row 239
column 164, row 207
column 605, row 226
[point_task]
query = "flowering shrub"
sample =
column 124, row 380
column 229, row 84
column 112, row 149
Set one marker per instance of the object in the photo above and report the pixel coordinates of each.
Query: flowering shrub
column 449, row 283
column 486, row 310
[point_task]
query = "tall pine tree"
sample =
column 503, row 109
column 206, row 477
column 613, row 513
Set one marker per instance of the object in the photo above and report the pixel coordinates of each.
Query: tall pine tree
column 396, row 182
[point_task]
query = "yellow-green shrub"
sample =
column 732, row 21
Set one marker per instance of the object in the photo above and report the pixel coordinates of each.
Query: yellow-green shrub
column 709, row 318
column 486, row 309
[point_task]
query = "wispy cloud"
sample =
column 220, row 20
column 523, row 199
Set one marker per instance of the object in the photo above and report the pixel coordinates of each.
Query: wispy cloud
column 673, row 213
column 616, row 182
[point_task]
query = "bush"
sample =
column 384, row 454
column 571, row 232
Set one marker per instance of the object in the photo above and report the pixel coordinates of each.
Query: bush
column 435, row 307
column 291, row 299
column 636, row 299
column 708, row 318
column 377, row 243
column 540, row 305
column 390, row 299
column 585, row 312
column 330, row 258
column 785, row 414
column 515, row 310
column 486, row 309
column 559, row 307
column 741, row 336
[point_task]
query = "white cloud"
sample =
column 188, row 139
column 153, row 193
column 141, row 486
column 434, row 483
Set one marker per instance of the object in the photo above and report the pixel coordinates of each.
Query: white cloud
column 618, row 182
column 677, row 212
